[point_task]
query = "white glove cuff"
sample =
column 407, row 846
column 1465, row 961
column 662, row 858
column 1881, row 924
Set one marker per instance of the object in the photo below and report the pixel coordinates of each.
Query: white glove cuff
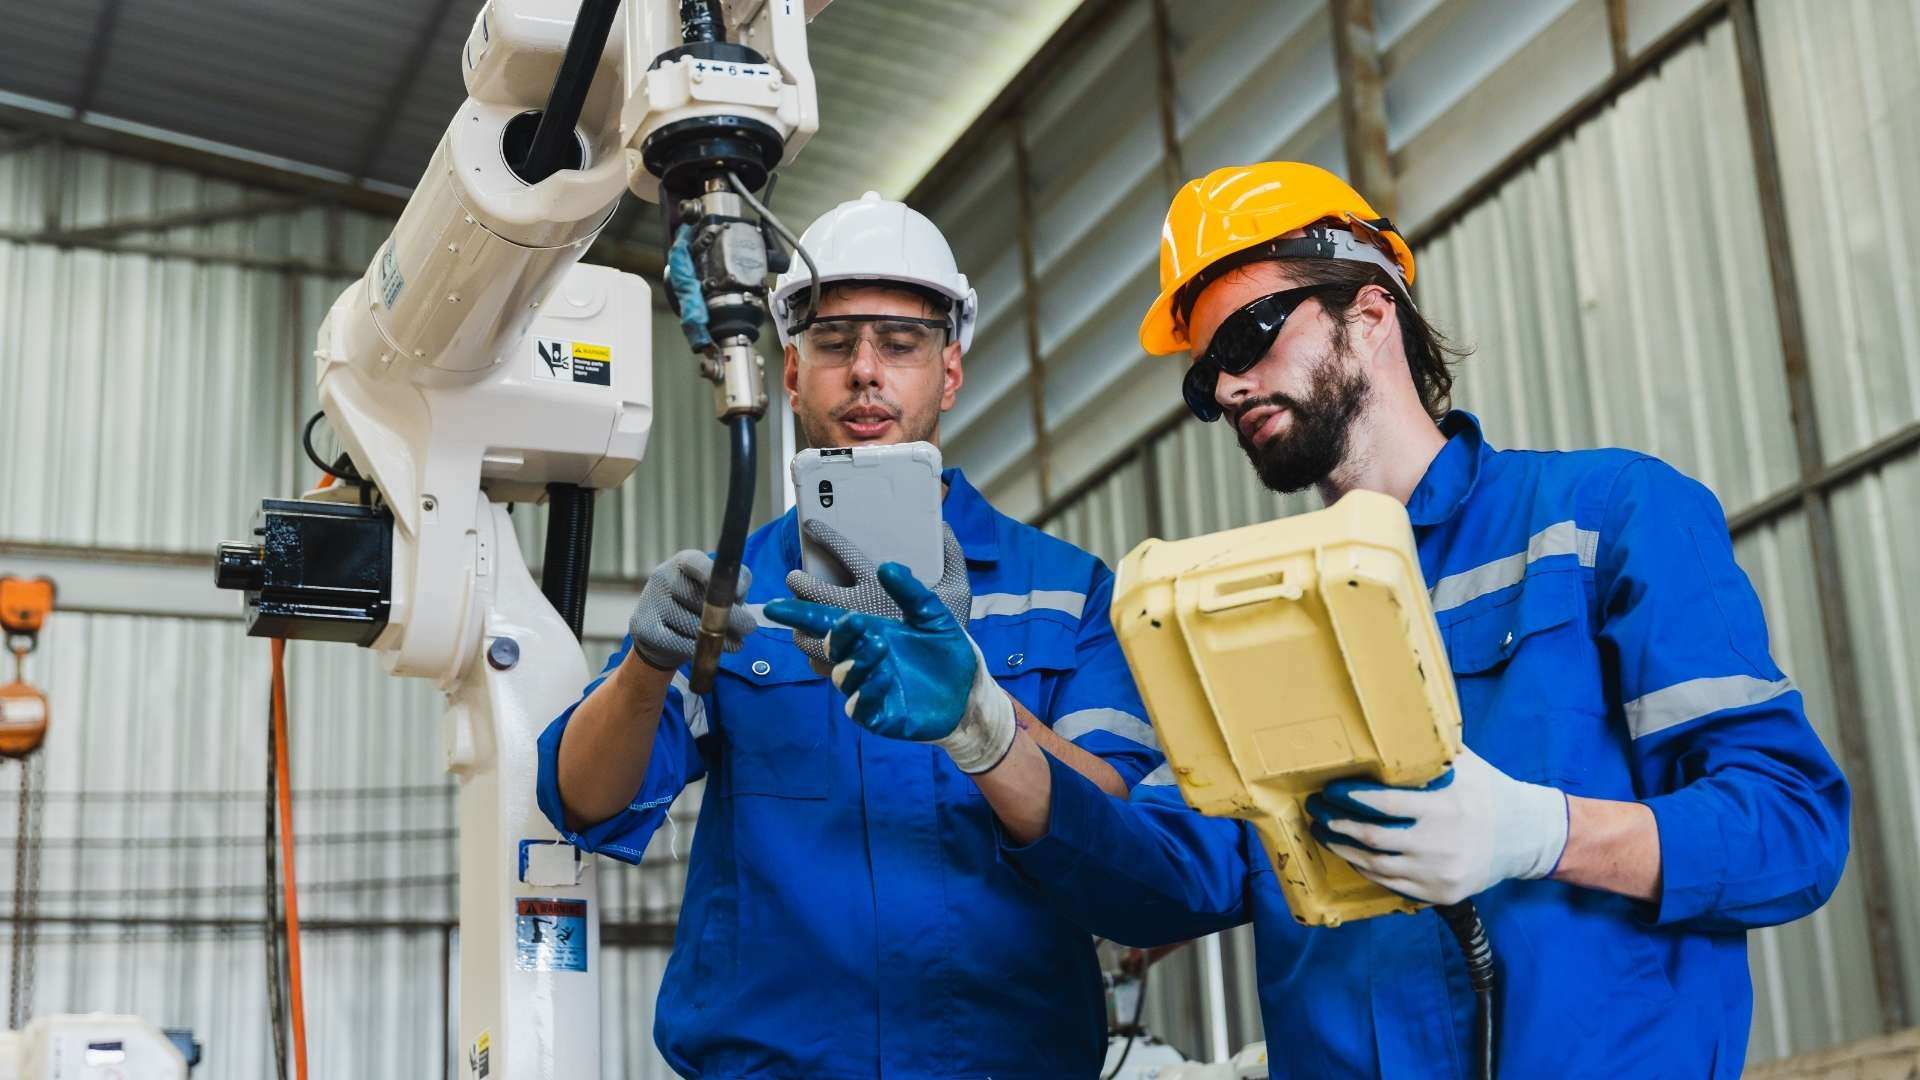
column 1540, row 813
column 985, row 732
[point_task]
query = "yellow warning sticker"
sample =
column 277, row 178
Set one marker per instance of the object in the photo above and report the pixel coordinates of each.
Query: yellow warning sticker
column 480, row 1056
column 572, row 361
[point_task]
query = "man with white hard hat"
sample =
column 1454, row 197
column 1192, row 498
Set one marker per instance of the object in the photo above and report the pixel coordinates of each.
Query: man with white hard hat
column 847, row 913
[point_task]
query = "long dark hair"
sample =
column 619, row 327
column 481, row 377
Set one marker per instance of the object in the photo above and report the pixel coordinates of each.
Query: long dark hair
column 1430, row 356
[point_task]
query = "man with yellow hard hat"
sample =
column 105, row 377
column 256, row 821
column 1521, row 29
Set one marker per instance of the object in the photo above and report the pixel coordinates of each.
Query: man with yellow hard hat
column 1640, row 785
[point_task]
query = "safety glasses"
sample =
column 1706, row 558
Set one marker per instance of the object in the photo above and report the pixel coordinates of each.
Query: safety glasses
column 896, row 340
column 1241, row 341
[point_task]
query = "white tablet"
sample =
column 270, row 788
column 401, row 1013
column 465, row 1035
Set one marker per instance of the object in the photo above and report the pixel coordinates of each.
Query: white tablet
column 886, row 499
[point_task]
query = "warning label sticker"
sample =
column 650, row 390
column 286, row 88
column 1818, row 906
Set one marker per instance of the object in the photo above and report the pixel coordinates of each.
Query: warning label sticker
column 572, row 361
column 550, row 935
column 480, row 1055
column 391, row 281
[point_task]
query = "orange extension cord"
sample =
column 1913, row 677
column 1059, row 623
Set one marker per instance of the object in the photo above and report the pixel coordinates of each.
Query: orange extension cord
column 283, row 781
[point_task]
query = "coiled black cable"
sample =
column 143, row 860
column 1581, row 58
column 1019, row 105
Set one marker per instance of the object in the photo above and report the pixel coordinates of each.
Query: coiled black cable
column 563, row 570
column 342, row 469
column 1464, row 920
column 1133, row 1028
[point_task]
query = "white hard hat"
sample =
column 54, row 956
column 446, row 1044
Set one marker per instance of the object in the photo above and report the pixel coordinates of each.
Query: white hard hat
column 876, row 239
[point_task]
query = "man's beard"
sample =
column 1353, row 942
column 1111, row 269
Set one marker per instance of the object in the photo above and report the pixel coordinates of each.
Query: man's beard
column 818, row 428
column 1315, row 440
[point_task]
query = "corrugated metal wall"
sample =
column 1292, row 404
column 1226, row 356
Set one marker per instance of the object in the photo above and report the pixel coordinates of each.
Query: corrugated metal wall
column 1616, row 293
column 149, row 403
column 1467, row 82
column 1850, row 158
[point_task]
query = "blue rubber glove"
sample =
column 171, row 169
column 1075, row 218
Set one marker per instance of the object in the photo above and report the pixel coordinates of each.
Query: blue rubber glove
column 921, row 679
column 1461, row 834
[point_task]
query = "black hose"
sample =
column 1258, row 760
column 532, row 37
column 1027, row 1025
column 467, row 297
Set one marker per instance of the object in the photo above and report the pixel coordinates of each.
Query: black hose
column 1133, row 1029
column 569, row 94
column 342, row 469
column 563, row 570
column 722, row 585
column 701, row 22
column 1464, row 920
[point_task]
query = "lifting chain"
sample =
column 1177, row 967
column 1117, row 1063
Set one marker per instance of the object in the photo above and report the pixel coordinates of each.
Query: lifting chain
column 24, row 606
column 26, row 892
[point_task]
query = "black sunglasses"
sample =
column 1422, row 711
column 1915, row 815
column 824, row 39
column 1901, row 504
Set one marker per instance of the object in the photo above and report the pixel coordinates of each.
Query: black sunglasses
column 1241, row 341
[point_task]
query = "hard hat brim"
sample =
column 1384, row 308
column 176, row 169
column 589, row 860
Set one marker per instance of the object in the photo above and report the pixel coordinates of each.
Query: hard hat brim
column 1164, row 333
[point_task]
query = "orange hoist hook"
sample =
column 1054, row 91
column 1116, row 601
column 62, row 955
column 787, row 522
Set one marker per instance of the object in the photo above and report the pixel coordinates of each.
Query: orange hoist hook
column 24, row 606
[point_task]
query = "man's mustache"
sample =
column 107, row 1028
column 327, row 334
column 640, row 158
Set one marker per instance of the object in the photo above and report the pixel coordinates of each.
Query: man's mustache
column 1282, row 400
column 865, row 401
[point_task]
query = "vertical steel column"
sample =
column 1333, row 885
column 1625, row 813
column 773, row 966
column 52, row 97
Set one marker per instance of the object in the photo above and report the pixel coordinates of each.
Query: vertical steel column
column 290, row 311
column 1213, row 974
column 1030, row 297
column 335, row 256
column 1175, row 165
column 1155, row 509
column 1617, row 33
column 1363, row 104
column 1869, row 850
column 1171, row 158
column 55, row 178
column 449, row 1030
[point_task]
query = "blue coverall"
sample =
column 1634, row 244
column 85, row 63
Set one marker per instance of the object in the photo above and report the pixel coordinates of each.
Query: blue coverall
column 1603, row 642
column 832, row 869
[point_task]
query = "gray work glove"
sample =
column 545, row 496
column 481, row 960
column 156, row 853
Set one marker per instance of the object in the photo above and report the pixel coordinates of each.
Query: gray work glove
column 865, row 594
column 667, row 618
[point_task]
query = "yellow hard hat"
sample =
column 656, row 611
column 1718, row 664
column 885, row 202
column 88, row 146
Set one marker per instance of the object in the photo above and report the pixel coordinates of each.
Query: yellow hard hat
column 1240, row 214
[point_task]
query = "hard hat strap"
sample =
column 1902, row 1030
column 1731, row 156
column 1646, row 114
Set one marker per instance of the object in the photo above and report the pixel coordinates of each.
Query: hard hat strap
column 1356, row 241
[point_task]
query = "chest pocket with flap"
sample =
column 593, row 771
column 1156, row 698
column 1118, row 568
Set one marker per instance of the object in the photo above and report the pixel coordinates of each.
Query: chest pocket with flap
column 1524, row 666
column 773, row 714
column 1028, row 657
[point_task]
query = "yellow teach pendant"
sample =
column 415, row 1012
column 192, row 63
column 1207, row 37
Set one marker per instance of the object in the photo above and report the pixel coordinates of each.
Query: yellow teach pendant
column 1281, row 656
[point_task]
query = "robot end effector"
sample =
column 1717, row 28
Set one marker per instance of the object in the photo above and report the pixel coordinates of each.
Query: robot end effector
column 692, row 103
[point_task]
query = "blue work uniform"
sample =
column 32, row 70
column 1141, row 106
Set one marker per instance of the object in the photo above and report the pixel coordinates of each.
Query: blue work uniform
column 1605, row 643
column 846, row 912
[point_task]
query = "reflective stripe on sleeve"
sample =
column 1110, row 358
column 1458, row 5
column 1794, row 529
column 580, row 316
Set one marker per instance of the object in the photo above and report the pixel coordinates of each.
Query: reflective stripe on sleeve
column 1160, row 777
column 1677, row 704
column 692, row 705
column 1112, row 721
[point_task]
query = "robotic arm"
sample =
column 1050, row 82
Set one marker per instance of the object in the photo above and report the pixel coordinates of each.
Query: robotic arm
column 432, row 368
column 478, row 363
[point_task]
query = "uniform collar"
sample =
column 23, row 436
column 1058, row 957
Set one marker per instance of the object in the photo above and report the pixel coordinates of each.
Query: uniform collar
column 972, row 519
column 965, row 509
column 1454, row 471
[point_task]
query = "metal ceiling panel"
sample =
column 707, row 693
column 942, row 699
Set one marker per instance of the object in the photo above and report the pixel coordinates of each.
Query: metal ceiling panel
column 419, row 120
column 301, row 81
column 898, row 79
column 43, row 52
